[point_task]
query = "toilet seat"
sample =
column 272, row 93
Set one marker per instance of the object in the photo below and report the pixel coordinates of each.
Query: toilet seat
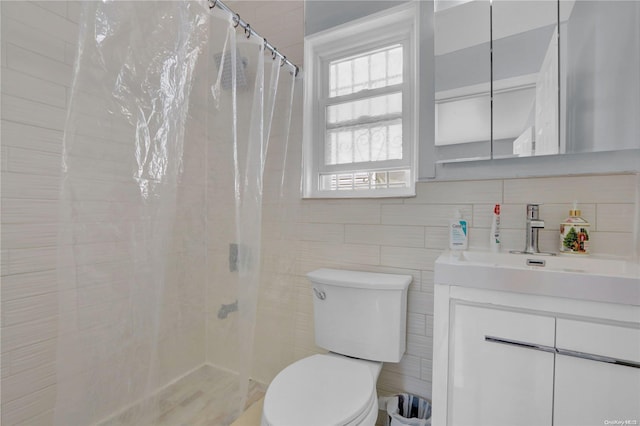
column 320, row 390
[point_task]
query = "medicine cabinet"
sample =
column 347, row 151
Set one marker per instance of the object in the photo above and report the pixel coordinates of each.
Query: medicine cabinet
column 518, row 78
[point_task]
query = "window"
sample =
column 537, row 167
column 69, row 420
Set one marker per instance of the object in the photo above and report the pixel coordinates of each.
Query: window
column 360, row 105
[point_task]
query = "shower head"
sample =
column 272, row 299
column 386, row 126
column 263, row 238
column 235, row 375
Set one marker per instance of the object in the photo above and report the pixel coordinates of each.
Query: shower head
column 224, row 59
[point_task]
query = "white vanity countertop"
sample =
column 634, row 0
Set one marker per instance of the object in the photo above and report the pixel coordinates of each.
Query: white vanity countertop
column 577, row 277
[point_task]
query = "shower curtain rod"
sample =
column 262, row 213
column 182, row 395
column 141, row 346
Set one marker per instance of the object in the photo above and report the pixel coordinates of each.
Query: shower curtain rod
column 250, row 31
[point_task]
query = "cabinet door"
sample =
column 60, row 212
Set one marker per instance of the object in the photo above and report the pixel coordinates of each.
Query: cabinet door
column 597, row 374
column 501, row 368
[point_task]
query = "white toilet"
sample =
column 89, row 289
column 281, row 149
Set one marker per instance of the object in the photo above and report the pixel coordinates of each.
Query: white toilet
column 361, row 318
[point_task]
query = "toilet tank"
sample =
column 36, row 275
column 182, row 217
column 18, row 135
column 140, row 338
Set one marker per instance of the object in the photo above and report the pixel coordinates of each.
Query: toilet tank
column 360, row 314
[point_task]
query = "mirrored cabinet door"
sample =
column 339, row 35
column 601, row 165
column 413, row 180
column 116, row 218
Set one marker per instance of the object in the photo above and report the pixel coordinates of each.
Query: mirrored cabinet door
column 600, row 64
column 462, row 80
column 525, row 78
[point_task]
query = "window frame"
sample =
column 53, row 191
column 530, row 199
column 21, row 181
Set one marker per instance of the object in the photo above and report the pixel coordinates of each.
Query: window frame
column 395, row 26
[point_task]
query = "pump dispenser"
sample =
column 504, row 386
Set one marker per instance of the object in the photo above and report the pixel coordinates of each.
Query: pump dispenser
column 574, row 233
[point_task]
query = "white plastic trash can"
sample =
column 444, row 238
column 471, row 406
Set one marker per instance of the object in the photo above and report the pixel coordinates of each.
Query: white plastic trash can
column 408, row 410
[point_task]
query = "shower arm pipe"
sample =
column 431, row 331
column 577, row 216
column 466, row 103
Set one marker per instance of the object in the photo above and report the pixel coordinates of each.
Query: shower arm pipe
column 250, row 31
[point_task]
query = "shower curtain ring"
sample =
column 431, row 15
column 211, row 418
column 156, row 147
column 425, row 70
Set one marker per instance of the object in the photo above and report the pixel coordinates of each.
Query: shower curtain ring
column 213, row 4
column 247, row 31
column 236, row 20
column 283, row 61
column 274, row 53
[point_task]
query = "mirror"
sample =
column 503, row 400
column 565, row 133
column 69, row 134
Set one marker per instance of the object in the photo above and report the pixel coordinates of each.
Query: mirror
column 462, row 36
column 600, row 60
column 525, row 78
column 519, row 78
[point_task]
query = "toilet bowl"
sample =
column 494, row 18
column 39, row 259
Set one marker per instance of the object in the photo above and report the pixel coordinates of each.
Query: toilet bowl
column 323, row 390
column 360, row 317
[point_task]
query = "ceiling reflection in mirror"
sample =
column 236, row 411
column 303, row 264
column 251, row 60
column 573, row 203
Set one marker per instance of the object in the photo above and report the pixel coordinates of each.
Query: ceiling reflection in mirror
column 462, row 80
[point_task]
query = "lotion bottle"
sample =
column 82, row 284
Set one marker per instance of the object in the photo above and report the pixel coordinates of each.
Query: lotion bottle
column 494, row 236
column 458, row 232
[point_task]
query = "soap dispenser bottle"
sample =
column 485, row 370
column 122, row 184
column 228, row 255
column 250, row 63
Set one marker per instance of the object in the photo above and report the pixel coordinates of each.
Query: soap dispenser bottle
column 574, row 233
column 458, row 232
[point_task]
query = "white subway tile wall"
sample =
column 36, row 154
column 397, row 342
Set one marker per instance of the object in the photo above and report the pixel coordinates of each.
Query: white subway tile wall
column 391, row 235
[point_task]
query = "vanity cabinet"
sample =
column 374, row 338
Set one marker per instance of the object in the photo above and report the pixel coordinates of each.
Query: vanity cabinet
column 593, row 389
column 503, row 358
column 486, row 373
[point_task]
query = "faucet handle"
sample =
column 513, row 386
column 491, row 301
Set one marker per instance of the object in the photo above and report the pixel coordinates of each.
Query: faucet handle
column 537, row 223
column 533, row 210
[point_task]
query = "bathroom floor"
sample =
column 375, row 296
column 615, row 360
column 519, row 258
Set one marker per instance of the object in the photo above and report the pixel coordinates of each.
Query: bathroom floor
column 204, row 397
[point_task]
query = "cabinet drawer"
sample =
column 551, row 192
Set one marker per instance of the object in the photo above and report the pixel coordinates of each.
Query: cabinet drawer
column 609, row 340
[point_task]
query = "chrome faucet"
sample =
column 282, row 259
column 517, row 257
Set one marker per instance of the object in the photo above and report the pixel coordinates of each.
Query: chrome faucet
column 534, row 224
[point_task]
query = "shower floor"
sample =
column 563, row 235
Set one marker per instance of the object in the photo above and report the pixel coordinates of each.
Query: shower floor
column 204, row 397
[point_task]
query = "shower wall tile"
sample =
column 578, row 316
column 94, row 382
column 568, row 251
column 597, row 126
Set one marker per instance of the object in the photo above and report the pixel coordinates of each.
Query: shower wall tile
column 615, row 217
column 70, row 53
column 409, row 365
column 554, row 214
column 407, row 257
column 28, row 357
column 28, row 161
column 32, row 39
column 32, row 15
column 38, row 66
column 28, row 284
column 57, row 7
column 390, row 383
column 416, row 323
column 35, row 89
column 33, row 113
column 423, row 214
column 31, row 137
column 619, row 244
column 512, row 216
column 74, row 9
column 22, row 410
column 29, row 309
column 436, row 237
column 316, row 212
column 3, row 54
column 464, row 192
column 28, row 381
column 29, row 333
column 22, row 261
column 584, row 189
column 327, row 232
column 346, row 253
column 420, row 302
column 4, row 157
column 402, row 236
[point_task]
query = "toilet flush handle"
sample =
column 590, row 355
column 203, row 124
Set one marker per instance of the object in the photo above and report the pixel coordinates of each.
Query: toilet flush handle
column 320, row 294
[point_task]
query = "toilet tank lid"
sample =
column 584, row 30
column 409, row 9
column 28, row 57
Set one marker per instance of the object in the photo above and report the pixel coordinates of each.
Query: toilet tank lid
column 359, row 279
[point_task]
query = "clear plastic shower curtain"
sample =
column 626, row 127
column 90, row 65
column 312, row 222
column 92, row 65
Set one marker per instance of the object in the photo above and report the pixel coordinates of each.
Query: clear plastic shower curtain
column 161, row 205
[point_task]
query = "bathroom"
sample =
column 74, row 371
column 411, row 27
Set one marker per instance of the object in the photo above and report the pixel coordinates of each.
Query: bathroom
column 225, row 299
